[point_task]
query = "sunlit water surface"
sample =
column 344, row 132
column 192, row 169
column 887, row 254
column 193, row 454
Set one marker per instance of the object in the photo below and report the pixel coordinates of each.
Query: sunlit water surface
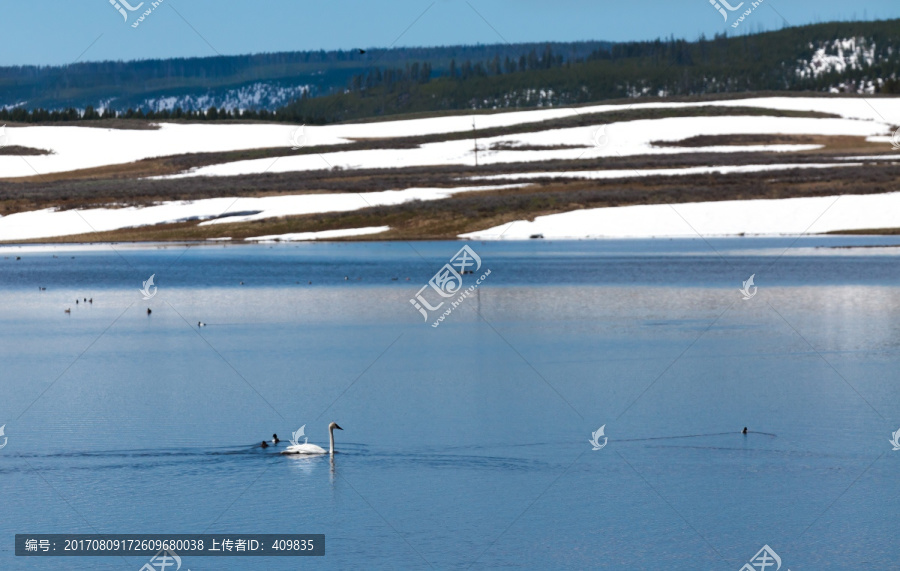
column 465, row 445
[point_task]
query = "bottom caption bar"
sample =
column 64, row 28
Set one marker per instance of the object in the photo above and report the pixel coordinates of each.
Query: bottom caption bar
column 230, row 545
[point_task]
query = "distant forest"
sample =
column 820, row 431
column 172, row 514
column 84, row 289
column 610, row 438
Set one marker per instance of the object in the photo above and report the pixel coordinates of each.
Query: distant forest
column 783, row 60
column 426, row 80
column 121, row 85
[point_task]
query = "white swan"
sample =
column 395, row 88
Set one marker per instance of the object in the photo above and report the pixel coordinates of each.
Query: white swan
column 305, row 448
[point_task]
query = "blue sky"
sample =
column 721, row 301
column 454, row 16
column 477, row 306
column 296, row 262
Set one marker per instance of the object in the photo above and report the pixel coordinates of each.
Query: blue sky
column 90, row 30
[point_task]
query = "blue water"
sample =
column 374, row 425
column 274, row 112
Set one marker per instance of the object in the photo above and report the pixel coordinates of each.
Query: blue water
column 464, row 445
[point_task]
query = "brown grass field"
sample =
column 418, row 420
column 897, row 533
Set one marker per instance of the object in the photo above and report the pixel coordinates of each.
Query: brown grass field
column 127, row 185
column 467, row 212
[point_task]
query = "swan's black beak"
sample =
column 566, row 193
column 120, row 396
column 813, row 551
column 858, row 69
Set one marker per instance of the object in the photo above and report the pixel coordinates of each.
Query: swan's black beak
column 338, row 427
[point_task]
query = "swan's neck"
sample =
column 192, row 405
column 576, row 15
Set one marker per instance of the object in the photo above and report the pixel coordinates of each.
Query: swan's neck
column 331, row 441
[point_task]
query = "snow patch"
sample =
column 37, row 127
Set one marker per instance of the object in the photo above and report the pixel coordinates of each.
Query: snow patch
column 837, row 57
column 788, row 216
column 322, row 235
column 51, row 222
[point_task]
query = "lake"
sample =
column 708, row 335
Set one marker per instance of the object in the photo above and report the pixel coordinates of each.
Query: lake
column 466, row 444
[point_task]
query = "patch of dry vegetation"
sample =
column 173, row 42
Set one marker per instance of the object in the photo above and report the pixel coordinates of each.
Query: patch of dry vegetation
column 833, row 144
column 467, row 212
column 20, row 151
column 123, row 124
column 59, row 192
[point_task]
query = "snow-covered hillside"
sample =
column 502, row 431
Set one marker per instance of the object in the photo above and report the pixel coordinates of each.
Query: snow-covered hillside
column 254, row 96
column 84, row 147
column 840, row 56
column 87, row 147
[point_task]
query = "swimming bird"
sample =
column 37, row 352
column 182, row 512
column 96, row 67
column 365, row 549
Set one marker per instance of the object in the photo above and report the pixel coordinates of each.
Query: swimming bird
column 149, row 311
column 275, row 439
column 264, row 444
column 744, row 431
column 306, row 448
column 201, row 324
column 69, row 310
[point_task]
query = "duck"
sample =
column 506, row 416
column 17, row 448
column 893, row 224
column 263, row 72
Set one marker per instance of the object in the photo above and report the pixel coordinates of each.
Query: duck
column 69, row 310
column 744, row 431
column 201, row 324
column 264, row 444
column 306, row 448
column 275, row 439
column 149, row 311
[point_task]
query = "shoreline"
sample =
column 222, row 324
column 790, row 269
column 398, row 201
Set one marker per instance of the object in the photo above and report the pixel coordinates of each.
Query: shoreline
column 63, row 246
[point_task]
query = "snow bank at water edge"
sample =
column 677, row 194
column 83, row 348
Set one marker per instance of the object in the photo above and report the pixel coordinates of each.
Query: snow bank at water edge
column 49, row 223
column 322, row 235
column 789, row 216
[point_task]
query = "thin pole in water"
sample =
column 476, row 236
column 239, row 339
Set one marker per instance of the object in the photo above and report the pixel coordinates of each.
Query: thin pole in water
column 475, row 137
